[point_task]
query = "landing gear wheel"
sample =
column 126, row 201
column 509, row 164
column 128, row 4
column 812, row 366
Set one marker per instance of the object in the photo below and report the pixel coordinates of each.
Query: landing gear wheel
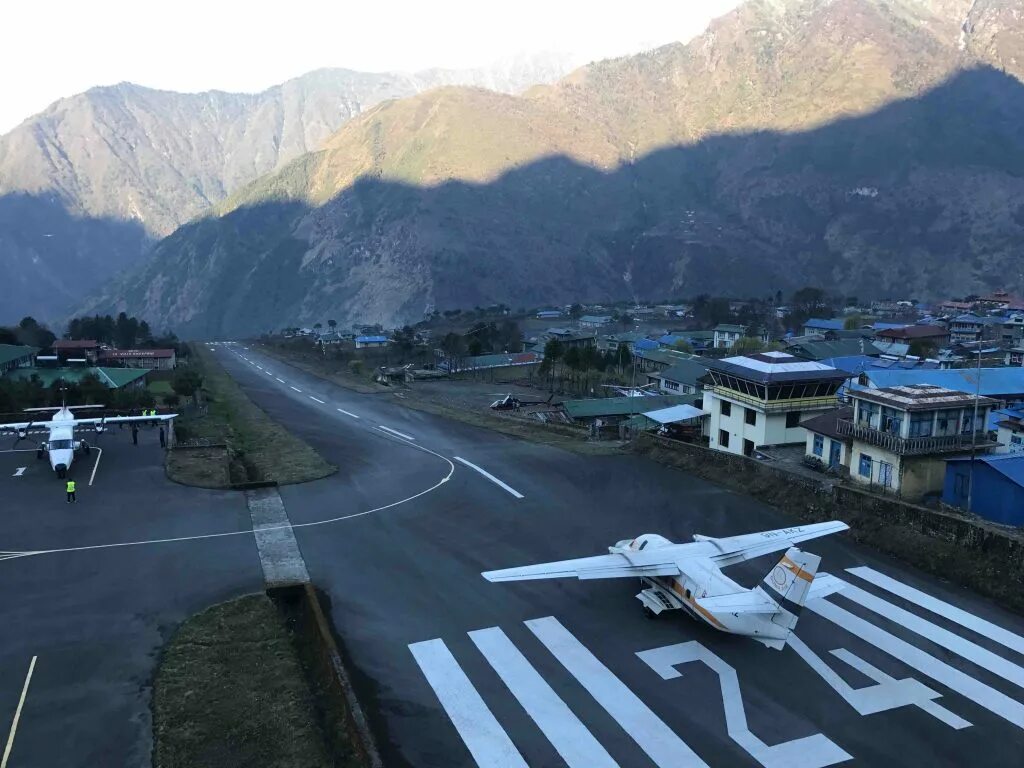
column 649, row 613
column 85, row 448
column 39, row 453
column 62, row 473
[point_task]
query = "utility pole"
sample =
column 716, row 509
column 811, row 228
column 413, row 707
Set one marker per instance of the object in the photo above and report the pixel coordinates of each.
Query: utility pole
column 974, row 432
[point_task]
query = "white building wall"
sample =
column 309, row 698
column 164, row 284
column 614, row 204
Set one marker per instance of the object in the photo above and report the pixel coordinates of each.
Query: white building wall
column 1010, row 441
column 879, row 456
column 826, row 449
column 768, row 429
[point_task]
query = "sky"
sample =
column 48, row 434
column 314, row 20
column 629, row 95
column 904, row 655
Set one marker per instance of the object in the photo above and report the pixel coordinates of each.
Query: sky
column 58, row 48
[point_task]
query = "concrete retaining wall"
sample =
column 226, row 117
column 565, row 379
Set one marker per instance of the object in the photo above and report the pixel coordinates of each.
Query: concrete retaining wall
column 984, row 557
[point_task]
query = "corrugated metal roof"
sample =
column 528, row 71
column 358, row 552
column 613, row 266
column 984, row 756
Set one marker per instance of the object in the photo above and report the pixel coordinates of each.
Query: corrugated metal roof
column 9, row 352
column 1011, row 466
column 371, row 339
column 995, row 382
column 674, row 413
column 114, row 378
column 617, row 406
column 826, row 325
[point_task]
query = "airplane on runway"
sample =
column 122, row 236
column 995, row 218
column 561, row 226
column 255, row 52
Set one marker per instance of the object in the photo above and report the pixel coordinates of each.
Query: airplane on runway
column 61, row 445
column 688, row 577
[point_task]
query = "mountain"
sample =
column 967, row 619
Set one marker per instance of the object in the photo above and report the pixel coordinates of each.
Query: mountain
column 867, row 144
column 136, row 163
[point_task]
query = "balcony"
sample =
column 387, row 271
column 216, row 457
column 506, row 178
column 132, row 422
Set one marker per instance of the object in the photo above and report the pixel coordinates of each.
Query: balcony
column 914, row 446
column 775, row 406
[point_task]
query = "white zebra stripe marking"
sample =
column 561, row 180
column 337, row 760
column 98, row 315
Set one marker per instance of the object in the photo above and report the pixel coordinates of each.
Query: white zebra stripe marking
column 647, row 729
column 567, row 734
column 986, row 628
column 485, row 738
column 983, row 657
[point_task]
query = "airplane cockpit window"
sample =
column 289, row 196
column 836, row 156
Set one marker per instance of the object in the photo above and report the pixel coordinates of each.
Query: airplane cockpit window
column 643, row 544
column 56, row 445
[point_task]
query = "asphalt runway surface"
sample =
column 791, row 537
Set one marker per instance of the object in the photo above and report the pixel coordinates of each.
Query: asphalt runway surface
column 95, row 616
column 899, row 669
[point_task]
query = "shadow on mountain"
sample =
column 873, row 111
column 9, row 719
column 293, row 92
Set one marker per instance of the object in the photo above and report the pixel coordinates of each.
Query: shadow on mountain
column 51, row 259
column 923, row 197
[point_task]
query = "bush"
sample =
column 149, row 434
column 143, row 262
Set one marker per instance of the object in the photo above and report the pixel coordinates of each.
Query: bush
column 172, row 401
column 355, row 367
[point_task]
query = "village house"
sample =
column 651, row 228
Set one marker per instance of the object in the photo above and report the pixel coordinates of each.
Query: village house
column 72, row 349
column 901, row 436
column 727, row 334
column 14, row 356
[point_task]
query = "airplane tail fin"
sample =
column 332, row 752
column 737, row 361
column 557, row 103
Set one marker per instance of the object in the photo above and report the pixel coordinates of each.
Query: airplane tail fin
column 788, row 584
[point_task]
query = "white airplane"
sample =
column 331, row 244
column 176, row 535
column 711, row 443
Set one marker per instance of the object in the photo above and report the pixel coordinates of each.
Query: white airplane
column 688, row 577
column 61, row 444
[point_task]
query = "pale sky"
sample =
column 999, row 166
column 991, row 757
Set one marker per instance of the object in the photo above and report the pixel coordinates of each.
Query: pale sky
column 61, row 47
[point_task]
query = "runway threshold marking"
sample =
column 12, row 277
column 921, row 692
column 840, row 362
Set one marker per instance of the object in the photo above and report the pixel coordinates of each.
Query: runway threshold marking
column 973, row 652
column 648, row 730
column 567, row 734
column 19, row 471
column 476, row 724
column 490, row 477
column 99, row 455
column 347, row 413
column 996, row 702
column 17, row 713
column 986, row 628
column 295, row 388
column 317, row 399
column 395, row 432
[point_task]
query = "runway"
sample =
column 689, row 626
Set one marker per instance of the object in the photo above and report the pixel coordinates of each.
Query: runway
column 457, row 671
column 453, row 670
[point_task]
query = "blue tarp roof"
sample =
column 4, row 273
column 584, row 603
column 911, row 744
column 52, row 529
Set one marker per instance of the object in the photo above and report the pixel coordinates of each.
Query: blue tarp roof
column 826, row 325
column 995, row 382
column 645, row 344
column 1010, row 465
column 366, row 339
column 888, row 326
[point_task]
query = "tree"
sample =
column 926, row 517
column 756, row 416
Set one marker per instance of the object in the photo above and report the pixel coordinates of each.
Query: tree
column 576, row 311
column 553, row 350
column 922, row 348
column 810, row 300
column 682, row 345
column 187, row 383
column 476, row 347
column 853, row 322
column 748, row 344
column 573, row 360
column 332, row 324
column 318, row 326
column 623, row 357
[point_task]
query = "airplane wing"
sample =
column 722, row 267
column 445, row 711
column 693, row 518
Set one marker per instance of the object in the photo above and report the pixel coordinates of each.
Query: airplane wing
column 659, row 562
column 18, row 425
column 736, row 549
column 124, row 419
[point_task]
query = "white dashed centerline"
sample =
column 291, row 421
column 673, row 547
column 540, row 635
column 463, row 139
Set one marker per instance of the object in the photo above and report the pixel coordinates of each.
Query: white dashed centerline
column 490, row 477
column 317, row 399
column 281, row 380
column 296, row 389
column 395, row 432
column 347, row 413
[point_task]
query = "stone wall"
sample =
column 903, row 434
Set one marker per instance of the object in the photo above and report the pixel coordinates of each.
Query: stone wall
column 985, row 557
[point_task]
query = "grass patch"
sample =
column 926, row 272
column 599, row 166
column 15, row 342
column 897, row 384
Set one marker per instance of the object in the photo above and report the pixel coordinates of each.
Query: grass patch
column 160, row 388
column 230, row 692
column 258, row 448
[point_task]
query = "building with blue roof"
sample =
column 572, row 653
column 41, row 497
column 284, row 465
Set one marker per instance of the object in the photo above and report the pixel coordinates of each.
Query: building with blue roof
column 366, row 342
column 1006, row 384
column 998, row 487
column 820, row 325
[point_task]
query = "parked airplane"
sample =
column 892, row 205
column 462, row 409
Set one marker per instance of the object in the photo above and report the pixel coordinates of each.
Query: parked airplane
column 688, row 577
column 61, row 444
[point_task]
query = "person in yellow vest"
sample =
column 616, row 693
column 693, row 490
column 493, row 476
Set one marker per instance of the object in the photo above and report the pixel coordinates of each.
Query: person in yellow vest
column 71, row 491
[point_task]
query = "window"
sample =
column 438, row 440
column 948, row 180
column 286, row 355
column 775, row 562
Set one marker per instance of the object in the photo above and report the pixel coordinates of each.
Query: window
column 750, row 416
column 792, row 419
column 748, row 447
column 885, row 474
column 669, row 384
column 723, row 438
column 864, row 470
column 819, row 445
column 726, row 408
column 688, row 389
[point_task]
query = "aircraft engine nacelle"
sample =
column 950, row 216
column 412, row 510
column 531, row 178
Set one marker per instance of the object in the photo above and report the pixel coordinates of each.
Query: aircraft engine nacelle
column 644, row 541
column 22, row 434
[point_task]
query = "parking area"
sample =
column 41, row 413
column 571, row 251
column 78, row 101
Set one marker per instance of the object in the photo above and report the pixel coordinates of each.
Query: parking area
column 92, row 607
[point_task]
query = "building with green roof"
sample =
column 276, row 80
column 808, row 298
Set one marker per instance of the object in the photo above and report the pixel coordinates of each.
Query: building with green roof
column 14, row 356
column 113, row 378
